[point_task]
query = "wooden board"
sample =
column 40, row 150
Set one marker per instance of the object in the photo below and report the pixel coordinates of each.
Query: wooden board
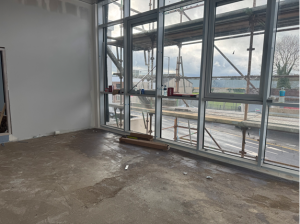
column 142, row 136
column 154, row 145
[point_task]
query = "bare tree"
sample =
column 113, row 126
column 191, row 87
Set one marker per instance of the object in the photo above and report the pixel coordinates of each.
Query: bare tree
column 286, row 59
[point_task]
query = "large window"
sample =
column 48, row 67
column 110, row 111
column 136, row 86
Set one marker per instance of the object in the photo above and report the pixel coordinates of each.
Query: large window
column 114, row 11
column 282, row 147
column 179, row 120
column 114, row 113
column 114, row 56
column 142, row 114
column 238, row 45
column 144, row 41
column 227, row 98
column 229, row 131
column 282, row 139
column 182, row 48
column 285, row 79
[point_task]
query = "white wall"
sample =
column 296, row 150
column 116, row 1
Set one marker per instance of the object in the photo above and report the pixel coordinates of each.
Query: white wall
column 50, row 65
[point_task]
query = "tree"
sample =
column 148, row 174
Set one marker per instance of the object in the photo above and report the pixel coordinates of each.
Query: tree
column 286, row 59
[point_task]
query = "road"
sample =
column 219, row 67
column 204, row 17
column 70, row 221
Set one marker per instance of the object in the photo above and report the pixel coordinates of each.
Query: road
column 281, row 147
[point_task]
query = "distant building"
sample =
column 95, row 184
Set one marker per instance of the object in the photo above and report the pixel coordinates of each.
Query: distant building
column 171, row 82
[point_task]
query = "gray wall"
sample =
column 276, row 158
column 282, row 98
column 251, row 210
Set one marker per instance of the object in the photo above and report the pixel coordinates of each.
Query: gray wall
column 50, row 65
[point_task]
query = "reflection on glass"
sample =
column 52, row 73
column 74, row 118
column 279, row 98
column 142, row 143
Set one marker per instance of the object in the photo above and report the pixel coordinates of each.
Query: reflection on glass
column 182, row 48
column 138, row 6
column 114, row 11
column 227, row 130
column 114, row 113
column 282, row 145
column 114, row 57
column 114, row 106
column 142, row 114
column 285, row 79
column 144, row 41
column 238, row 46
column 179, row 120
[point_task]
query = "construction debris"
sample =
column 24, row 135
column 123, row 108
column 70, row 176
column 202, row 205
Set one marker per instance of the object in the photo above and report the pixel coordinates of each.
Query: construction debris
column 149, row 144
column 116, row 91
column 126, row 167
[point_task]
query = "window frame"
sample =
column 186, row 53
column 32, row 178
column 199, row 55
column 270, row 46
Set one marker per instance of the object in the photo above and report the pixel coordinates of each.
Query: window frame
column 130, row 23
column 208, row 81
column 205, row 74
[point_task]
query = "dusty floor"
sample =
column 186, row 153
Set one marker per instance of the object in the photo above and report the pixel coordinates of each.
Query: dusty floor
column 80, row 178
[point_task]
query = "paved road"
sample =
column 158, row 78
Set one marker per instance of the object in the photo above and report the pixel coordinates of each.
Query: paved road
column 281, row 147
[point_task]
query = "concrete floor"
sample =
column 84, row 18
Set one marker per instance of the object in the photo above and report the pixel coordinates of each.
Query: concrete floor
column 80, row 178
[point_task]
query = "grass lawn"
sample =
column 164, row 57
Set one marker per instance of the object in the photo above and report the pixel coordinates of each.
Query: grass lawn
column 221, row 105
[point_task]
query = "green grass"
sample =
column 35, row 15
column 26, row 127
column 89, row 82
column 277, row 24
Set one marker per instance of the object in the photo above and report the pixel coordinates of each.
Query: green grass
column 220, row 105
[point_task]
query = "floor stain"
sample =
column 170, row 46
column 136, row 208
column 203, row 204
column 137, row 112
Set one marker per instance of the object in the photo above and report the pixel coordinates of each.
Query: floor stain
column 262, row 218
column 107, row 188
column 283, row 203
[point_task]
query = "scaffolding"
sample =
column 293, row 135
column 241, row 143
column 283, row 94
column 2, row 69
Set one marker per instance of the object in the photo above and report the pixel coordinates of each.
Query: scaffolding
column 248, row 23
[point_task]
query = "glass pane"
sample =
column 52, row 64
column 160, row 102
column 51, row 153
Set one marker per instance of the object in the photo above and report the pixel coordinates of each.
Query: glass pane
column 114, row 57
column 114, row 11
column 114, row 113
column 114, row 106
column 182, row 49
column 227, row 125
column 142, row 114
column 179, row 120
column 239, row 35
column 285, row 79
column 282, row 146
column 144, row 38
column 138, row 6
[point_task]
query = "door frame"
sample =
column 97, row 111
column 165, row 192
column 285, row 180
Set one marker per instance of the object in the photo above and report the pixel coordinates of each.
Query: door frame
column 6, row 92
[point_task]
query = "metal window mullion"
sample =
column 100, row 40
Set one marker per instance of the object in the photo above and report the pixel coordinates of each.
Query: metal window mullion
column 127, row 30
column 101, row 64
column 266, row 71
column 127, row 61
column 96, row 61
column 159, row 70
column 126, row 8
column 207, row 49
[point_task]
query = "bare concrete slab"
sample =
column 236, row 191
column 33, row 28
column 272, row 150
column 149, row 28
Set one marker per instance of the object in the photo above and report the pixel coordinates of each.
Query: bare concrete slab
column 80, row 177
